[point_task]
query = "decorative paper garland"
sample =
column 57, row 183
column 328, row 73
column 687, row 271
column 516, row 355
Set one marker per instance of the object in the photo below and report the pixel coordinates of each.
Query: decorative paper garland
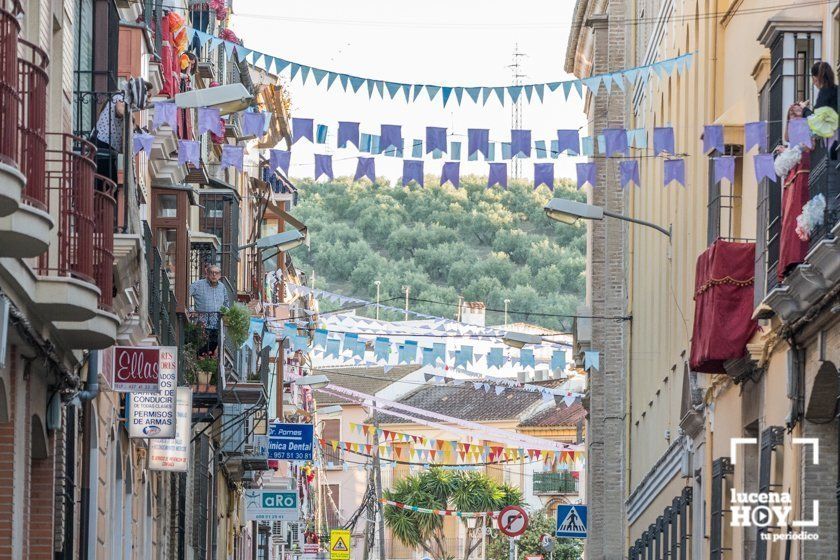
column 444, row 512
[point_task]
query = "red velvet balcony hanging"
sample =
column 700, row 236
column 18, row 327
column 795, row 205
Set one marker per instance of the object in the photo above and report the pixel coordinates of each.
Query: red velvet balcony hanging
column 723, row 297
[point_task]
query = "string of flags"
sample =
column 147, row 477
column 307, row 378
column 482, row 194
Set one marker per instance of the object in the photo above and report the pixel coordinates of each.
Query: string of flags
column 383, row 89
column 476, row 454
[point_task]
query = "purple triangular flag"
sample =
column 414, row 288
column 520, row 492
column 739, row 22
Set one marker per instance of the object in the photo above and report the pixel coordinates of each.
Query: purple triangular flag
column 764, row 167
column 616, row 141
column 390, row 135
column 142, row 141
column 663, row 140
column 498, row 175
column 435, row 139
column 348, row 132
column 674, row 170
column 188, row 152
column 568, row 140
column 323, row 166
column 165, row 113
column 585, row 174
column 452, row 173
column 520, row 143
column 365, row 168
column 478, row 140
column 281, row 159
column 629, row 171
column 412, row 170
column 799, row 132
column 544, row 175
column 209, row 119
column 232, row 156
column 302, row 128
column 253, row 124
column 713, row 138
column 755, row 134
column 724, row 169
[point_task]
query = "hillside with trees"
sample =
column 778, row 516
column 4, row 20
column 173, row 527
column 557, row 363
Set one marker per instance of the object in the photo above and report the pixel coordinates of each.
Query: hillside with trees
column 483, row 244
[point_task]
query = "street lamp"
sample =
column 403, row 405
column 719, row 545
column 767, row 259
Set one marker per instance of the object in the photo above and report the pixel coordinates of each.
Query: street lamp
column 330, row 410
column 507, row 301
column 281, row 242
column 519, row 340
column 570, row 211
column 313, row 381
column 377, row 283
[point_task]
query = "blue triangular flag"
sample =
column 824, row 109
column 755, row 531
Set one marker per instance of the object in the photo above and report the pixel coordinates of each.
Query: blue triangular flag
column 459, row 93
column 500, row 93
column 447, row 91
column 485, row 95
column 280, row 65
column 406, row 90
column 295, row 69
column 380, row 85
column 473, row 93
column 304, row 73
column 357, row 83
column 514, row 92
column 558, row 360
column 343, row 78
column 432, row 91
column 608, row 79
column 529, row 91
column 392, row 88
column 540, row 89
column 592, row 84
column 229, row 49
column 331, row 79
column 567, row 89
column 318, row 74
column 416, row 93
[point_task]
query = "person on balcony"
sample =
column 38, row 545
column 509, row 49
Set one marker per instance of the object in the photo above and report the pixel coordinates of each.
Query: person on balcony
column 822, row 76
column 209, row 296
column 793, row 165
column 108, row 136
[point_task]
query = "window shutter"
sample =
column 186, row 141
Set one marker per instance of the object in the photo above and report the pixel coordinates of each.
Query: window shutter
column 720, row 468
column 331, row 431
column 770, row 438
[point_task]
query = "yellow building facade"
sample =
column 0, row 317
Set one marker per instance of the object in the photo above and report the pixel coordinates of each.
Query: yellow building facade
column 690, row 438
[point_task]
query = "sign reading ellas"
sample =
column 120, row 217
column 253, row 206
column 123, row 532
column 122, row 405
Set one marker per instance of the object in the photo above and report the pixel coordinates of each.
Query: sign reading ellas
column 137, row 368
column 152, row 415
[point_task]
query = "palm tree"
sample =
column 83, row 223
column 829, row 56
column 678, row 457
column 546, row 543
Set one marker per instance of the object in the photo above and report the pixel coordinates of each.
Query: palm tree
column 440, row 489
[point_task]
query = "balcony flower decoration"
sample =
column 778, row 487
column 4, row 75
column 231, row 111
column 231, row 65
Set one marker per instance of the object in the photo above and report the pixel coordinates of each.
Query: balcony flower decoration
column 812, row 216
column 178, row 28
column 228, row 35
column 787, row 159
column 823, row 122
column 218, row 6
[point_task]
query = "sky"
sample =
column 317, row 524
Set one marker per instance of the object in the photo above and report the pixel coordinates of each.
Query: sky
column 442, row 42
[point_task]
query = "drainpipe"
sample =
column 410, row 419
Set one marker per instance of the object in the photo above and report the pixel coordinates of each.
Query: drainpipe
column 91, row 391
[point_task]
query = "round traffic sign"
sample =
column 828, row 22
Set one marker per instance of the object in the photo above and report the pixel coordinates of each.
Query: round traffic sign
column 547, row 542
column 513, row 520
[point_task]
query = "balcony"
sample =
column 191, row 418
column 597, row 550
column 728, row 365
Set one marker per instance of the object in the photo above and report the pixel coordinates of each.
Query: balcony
column 26, row 232
column 555, row 483
column 12, row 181
column 164, row 321
column 75, row 275
column 820, row 271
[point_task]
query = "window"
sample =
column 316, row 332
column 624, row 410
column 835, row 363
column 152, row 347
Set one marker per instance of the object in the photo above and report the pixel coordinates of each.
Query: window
column 725, row 200
column 720, row 469
column 331, row 501
column 214, row 208
column 331, row 431
column 770, row 438
column 167, row 206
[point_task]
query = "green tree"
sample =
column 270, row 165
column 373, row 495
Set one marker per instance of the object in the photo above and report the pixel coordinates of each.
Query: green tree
column 540, row 523
column 441, row 489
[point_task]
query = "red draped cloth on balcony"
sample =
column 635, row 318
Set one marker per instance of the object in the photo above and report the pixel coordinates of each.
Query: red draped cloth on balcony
column 792, row 249
column 723, row 309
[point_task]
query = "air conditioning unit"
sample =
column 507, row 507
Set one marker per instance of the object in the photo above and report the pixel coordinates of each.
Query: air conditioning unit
column 250, row 449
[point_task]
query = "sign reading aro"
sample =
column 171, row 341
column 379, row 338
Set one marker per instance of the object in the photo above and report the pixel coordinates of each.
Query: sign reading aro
column 271, row 505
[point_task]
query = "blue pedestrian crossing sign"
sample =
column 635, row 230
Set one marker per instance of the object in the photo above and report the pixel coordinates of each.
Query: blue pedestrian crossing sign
column 571, row 522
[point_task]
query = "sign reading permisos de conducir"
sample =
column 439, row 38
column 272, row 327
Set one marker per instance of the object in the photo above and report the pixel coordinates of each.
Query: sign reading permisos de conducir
column 152, row 415
column 290, row 442
column 271, row 505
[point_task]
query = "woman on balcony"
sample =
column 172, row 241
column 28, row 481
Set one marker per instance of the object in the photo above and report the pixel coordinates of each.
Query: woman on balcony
column 793, row 165
column 822, row 76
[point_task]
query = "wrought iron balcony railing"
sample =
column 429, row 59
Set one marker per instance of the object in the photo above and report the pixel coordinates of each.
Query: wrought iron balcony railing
column 33, row 82
column 9, row 95
column 163, row 315
column 555, row 483
column 825, row 180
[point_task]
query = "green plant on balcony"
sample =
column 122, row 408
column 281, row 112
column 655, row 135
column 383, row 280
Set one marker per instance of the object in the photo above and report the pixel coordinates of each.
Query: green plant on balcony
column 237, row 320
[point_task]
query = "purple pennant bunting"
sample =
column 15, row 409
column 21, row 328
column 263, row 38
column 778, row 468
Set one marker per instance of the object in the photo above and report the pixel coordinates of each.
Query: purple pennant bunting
column 629, row 171
column 498, row 175
column 302, row 128
column 725, row 169
column 348, row 132
column 755, row 134
column 232, row 156
column 478, row 140
column 323, row 166
column 188, row 152
column 764, row 167
column 365, row 168
column 253, row 124
column 435, row 139
column 663, row 140
column 412, row 170
column 713, row 138
column 520, row 143
column 544, row 175
column 452, row 173
column 616, row 141
column 674, row 171
column 799, row 132
column 281, row 159
column 142, row 141
column 390, row 135
column 568, row 140
column 585, row 174
column 209, row 119
column 165, row 113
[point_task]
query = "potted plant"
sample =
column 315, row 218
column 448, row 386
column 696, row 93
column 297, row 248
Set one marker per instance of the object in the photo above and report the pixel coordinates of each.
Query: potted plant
column 237, row 322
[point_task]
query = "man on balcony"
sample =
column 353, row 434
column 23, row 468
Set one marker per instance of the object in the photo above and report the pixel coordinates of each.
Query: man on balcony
column 209, row 296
